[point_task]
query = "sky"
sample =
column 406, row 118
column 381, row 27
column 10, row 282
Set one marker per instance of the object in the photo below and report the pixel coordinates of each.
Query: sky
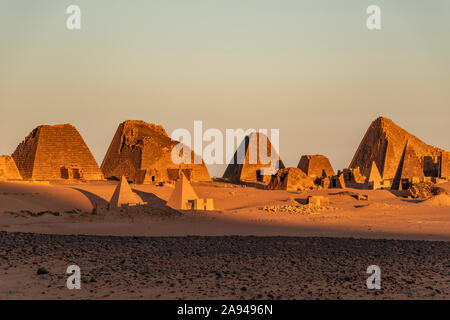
column 311, row 69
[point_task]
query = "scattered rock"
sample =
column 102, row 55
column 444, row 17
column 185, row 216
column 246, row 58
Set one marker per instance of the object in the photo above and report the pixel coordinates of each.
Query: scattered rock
column 42, row 271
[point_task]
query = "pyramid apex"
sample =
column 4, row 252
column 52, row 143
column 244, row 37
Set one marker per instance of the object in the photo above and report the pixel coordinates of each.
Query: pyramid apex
column 382, row 122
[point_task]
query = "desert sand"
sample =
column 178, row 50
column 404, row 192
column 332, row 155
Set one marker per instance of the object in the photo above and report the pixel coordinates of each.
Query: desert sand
column 242, row 250
column 239, row 211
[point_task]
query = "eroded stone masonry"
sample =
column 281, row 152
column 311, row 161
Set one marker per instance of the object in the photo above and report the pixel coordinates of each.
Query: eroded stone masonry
column 400, row 157
column 141, row 152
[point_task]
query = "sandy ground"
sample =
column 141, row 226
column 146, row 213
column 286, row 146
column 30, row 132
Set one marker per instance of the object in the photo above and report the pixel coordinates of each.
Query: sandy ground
column 239, row 212
column 239, row 251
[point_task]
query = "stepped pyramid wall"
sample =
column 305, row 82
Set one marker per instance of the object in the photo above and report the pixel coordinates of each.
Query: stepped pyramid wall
column 55, row 152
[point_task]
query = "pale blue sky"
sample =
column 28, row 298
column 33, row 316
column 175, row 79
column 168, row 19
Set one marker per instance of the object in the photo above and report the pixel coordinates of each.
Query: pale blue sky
column 308, row 68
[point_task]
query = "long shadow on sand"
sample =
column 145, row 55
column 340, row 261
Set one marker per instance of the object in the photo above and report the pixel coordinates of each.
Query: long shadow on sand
column 154, row 202
column 97, row 202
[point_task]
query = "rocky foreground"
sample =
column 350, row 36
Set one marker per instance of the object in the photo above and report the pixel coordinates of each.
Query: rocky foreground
column 220, row 267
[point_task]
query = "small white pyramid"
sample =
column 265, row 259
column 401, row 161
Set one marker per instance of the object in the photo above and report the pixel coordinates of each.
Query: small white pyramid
column 182, row 195
column 124, row 196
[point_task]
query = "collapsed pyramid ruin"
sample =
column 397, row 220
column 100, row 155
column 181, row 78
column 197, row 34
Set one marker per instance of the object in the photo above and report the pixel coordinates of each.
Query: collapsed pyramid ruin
column 316, row 166
column 55, row 152
column 142, row 153
column 8, row 169
column 384, row 143
column 123, row 196
column 184, row 197
column 255, row 171
column 291, row 179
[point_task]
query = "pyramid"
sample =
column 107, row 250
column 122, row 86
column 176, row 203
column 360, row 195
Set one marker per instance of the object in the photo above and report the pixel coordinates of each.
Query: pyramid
column 242, row 170
column 384, row 143
column 142, row 153
column 124, row 196
column 374, row 179
column 291, row 179
column 183, row 196
column 409, row 167
column 316, row 166
column 55, row 152
column 9, row 169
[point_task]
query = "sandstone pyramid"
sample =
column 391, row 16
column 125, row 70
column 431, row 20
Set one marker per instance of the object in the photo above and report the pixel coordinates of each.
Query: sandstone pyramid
column 409, row 167
column 374, row 173
column 244, row 170
column 291, row 179
column 8, row 169
column 374, row 180
column 316, row 166
column 142, row 153
column 384, row 144
column 183, row 196
column 124, row 196
column 55, row 152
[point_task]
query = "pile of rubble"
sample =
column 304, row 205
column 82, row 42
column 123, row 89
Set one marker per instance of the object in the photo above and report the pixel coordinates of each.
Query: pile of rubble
column 424, row 190
column 314, row 204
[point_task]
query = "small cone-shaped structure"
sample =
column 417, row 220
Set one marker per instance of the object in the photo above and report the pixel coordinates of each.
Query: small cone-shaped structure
column 374, row 179
column 182, row 195
column 124, row 196
column 8, row 169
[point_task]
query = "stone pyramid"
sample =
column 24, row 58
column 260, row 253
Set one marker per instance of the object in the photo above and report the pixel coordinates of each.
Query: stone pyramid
column 8, row 169
column 244, row 170
column 142, row 153
column 409, row 167
column 124, row 196
column 291, row 179
column 183, row 196
column 316, row 166
column 374, row 174
column 384, row 143
column 55, row 152
column 374, row 180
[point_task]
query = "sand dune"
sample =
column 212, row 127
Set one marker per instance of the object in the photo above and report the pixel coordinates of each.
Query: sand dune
column 29, row 196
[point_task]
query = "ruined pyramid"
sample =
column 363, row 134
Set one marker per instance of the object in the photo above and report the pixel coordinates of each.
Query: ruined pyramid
column 142, row 153
column 384, row 144
column 55, row 152
column 8, row 169
column 250, row 168
column 290, row 179
column 124, row 196
column 183, row 196
column 316, row 166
